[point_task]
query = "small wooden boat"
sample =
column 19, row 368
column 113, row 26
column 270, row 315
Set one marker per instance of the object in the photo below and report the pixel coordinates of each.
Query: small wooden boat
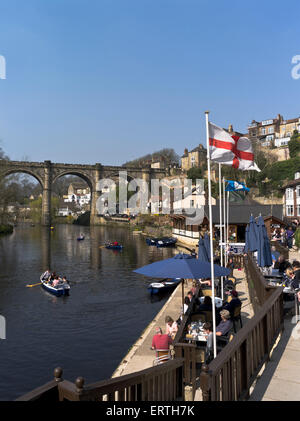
column 166, row 242
column 60, row 289
column 151, row 241
column 113, row 246
column 165, row 285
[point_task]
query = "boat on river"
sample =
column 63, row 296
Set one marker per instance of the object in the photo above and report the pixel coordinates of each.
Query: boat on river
column 166, row 242
column 114, row 246
column 163, row 286
column 161, row 242
column 80, row 238
column 60, row 289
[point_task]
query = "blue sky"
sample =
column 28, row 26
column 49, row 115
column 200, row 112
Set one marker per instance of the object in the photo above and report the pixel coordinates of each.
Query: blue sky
column 111, row 80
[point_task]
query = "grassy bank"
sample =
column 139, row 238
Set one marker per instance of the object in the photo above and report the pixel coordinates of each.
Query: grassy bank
column 6, row 229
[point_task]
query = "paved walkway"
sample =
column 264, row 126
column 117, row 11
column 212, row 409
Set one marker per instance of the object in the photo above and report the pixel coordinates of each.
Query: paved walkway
column 141, row 356
column 280, row 381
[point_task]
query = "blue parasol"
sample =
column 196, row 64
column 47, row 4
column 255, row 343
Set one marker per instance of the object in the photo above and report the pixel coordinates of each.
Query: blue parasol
column 251, row 241
column 264, row 255
column 182, row 266
column 207, row 245
column 202, row 253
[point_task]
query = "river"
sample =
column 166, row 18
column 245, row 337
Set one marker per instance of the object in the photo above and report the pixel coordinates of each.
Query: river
column 87, row 333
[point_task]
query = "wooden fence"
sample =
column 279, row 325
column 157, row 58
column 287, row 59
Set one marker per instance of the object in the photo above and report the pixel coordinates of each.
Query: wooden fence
column 230, row 375
column 160, row 383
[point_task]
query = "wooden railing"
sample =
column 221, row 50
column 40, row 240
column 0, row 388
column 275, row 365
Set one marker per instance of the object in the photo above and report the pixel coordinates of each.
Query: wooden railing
column 230, row 375
column 160, row 383
column 258, row 287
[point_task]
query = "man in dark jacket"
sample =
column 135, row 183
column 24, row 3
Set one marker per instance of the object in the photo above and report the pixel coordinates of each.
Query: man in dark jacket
column 296, row 281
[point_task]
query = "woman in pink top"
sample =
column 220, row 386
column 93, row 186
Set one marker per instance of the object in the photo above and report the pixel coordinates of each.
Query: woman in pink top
column 55, row 282
column 171, row 327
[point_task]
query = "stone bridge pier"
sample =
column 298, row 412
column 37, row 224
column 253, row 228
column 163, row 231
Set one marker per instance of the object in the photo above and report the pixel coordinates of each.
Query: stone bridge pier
column 46, row 173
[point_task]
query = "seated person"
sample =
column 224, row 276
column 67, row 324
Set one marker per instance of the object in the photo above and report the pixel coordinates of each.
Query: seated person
column 45, row 276
column 64, row 280
column 171, row 327
column 160, row 340
column 56, row 281
column 281, row 264
column 208, row 333
column 230, row 265
column 275, row 255
column 288, row 277
column 116, row 243
column 233, row 303
column 296, row 280
column 186, row 304
column 206, row 305
column 194, row 287
column 225, row 325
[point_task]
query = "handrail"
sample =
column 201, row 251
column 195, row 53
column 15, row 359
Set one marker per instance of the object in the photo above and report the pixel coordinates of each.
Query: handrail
column 230, row 375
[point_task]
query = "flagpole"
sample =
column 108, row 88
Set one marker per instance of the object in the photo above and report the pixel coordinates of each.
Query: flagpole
column 225, row 230
column 211, row 238
column 221, row 227
column 228, row 237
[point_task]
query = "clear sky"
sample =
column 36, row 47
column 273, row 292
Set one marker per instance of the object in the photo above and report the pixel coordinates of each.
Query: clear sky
column 111, row 80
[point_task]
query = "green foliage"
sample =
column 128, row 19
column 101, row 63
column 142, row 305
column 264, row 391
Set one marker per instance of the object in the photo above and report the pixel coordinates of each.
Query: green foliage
column 297, row 237
column 169, row 156
column 195, row 173
column 36, row 209
column 6, row 229
column 294, row 144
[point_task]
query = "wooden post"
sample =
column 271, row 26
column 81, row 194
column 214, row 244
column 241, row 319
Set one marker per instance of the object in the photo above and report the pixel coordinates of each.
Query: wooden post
column 205, row 383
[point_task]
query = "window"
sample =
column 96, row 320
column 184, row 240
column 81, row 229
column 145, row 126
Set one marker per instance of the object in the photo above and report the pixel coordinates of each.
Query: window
column 289, row 193
column 290, row 210
column 271, row 129
column 192, row 203
column 298, row 191
column 263, row 130
column 298, row 210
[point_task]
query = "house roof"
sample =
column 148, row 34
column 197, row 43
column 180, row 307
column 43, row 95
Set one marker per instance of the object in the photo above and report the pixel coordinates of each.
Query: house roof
column 240, row 213
column 292, row 183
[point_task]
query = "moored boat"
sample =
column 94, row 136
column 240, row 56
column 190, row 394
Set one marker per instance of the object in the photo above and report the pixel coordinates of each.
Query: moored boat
column 166, row 242
column 60, row 289
column 80, row 238
column 162, row 286
column 152, row 241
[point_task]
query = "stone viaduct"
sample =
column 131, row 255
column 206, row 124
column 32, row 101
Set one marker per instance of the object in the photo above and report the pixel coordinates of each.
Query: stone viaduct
column 46, row 173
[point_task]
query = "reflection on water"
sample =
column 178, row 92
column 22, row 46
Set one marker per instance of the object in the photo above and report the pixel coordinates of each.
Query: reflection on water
column 86, row 333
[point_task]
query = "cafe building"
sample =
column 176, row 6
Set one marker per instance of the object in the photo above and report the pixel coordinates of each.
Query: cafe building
column 188, row 232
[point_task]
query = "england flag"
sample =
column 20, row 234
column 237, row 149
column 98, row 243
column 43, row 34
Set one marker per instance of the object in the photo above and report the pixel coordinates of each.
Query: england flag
column 230, row 150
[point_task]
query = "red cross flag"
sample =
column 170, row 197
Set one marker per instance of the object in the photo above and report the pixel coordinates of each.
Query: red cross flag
column 230, row 150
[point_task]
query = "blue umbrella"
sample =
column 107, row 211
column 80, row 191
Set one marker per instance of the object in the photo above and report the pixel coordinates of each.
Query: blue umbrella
column 251, row 243
column 264, row 255
column 202, row 253
column 182, row 266
column 207, row 245
column 247, row 245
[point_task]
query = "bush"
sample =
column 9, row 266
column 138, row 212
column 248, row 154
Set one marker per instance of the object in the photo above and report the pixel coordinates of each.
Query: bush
column 297, row 238
column 6, row 229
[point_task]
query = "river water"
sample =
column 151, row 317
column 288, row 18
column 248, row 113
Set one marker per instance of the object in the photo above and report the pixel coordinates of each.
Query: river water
column 87, row 333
